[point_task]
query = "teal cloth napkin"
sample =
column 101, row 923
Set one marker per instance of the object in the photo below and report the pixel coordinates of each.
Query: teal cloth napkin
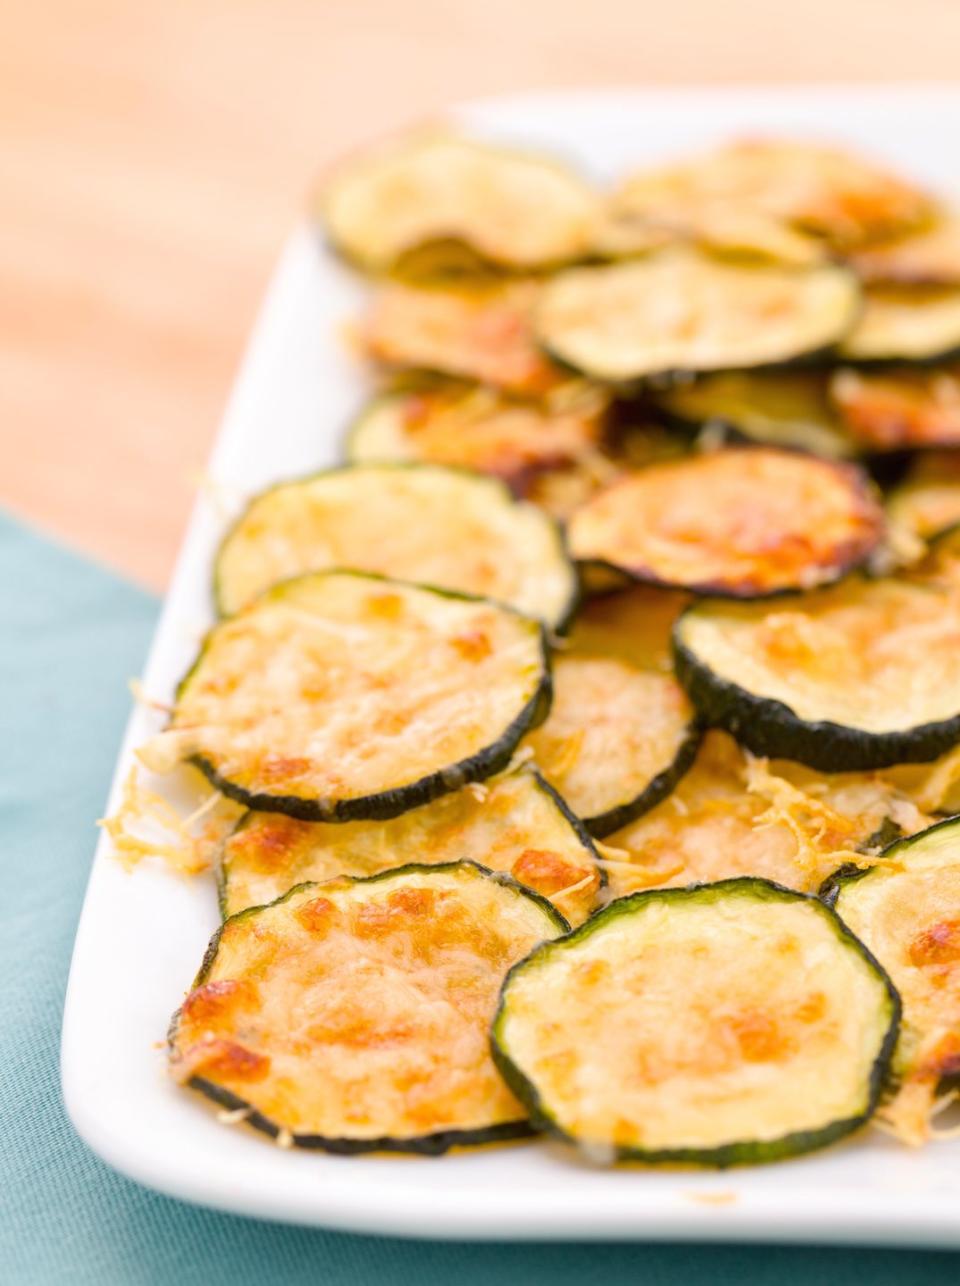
column 70, row 636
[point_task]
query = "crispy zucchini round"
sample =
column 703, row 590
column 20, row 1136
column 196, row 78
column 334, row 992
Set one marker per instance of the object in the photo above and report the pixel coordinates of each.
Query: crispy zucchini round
column 353, row 1015
column 778, row 185
column 417, row 522
column 863, row 675
column 905, row 324
column 743, row 522
column 715, row 1025
column 928, row 257
column 906, row 909
column 338, row 696
column 628, row 227
column 778, row 408
column 477, row 428
column 903, row 409
column 514, row 822
column 621, row 731
column 733, row 815
column 477, row 330
column 509, row 208
column 927, row 501
column 679, row 312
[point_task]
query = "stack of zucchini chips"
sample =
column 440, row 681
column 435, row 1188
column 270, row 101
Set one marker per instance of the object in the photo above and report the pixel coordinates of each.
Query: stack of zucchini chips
column 596, row 722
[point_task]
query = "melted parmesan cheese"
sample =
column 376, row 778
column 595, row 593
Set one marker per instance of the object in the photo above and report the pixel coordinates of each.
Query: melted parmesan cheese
column 388, row 519
column 681, row 311
column 734, row 815
column 510, row 823
column 361, row 1010
column 774, row 520
column 699, row 1022
column 847, row 655
column 337, row 687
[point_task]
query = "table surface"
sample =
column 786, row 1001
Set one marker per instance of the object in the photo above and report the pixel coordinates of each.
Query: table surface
column 153, row 154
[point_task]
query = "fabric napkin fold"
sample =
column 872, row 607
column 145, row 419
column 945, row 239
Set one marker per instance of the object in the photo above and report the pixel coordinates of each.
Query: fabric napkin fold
column 71, row 634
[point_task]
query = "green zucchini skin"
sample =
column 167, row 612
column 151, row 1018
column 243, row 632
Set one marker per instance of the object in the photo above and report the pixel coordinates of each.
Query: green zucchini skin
column 432, row 1145
column 391, row 803
column 769, row 727
column 739, row 1152
column 656, row 790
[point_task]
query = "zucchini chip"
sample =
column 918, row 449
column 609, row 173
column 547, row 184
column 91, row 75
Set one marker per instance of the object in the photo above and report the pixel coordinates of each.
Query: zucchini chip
column 621, row 731
column 628, row 228
column 479, row 331
column 767, row 187
column 735, row 815
column 930, row 257
column 514, row 823
column 741, row 521
column 860, row 676
column 339, row 696
column 901, row 409
column 715, row 1025
column 478, row 428
column 508, row 208
column 562, row 490
column 907, row 911
column 353, row 1016
column 927, row 501
column 680, row 312
column 776, row 408
column 423, row 523
column 905, row 324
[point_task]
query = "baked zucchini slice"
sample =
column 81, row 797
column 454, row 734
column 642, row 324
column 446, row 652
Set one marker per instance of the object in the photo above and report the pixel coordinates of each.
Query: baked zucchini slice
column 860, row 676
column 929, row 257
column 631, row 226
column 906, row 909
column 716, row 1025
column 680, row 312
column 780, row 184
column 478, row 330
column 927, row 501
column 740, row 521
column 905, row 324
column 733, row 815
column 508, row 208
column 419, row 522
column 477, row 428
column 338, row 696
column 777, row 408
column 902, row 409
column 514, row 823
column 353, row 1016
column 621, row 731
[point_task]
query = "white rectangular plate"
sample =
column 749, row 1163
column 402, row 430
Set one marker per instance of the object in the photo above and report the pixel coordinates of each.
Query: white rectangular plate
column 141, row 937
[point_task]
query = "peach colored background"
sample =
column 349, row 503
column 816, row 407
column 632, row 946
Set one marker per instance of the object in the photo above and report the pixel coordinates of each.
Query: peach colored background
column 153, row 154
